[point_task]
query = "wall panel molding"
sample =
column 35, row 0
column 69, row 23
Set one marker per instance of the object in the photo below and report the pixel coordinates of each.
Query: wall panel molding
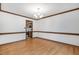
column 8, row 33
column 62, row 33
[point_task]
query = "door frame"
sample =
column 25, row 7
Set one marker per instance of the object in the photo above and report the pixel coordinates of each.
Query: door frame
column 29, row 32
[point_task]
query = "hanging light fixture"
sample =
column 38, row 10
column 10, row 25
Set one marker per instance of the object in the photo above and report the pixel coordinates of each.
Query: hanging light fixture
column 38, row 14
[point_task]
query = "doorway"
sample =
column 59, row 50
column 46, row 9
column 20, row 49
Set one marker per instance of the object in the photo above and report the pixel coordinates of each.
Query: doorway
column 29, row 29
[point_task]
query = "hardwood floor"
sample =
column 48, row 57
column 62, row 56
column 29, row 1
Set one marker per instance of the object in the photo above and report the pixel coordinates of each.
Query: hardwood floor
column 38, row 46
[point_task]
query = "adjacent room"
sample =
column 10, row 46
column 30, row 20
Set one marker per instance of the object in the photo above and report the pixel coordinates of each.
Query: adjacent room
column 39, row 28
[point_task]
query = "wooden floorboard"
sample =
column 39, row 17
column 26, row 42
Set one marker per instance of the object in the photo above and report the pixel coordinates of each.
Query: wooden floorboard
column 36, row 46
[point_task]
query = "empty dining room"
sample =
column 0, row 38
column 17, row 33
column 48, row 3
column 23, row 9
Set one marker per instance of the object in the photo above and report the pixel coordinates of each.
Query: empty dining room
column 39, row 28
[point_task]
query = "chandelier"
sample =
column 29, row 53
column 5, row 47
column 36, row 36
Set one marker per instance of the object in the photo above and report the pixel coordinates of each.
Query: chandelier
column 38, row 14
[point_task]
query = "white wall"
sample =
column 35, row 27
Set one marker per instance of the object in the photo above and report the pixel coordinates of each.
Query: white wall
column 11, row 38
column 68, row 22
column 11, row 23
column 35, row 28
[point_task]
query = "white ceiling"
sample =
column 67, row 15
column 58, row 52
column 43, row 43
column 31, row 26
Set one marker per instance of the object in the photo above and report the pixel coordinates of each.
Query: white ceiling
column 28, row 9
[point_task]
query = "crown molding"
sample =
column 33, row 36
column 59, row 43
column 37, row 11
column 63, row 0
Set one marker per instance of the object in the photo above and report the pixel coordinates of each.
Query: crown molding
column 60, row 13
column 74, row 9
column 16, row 14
